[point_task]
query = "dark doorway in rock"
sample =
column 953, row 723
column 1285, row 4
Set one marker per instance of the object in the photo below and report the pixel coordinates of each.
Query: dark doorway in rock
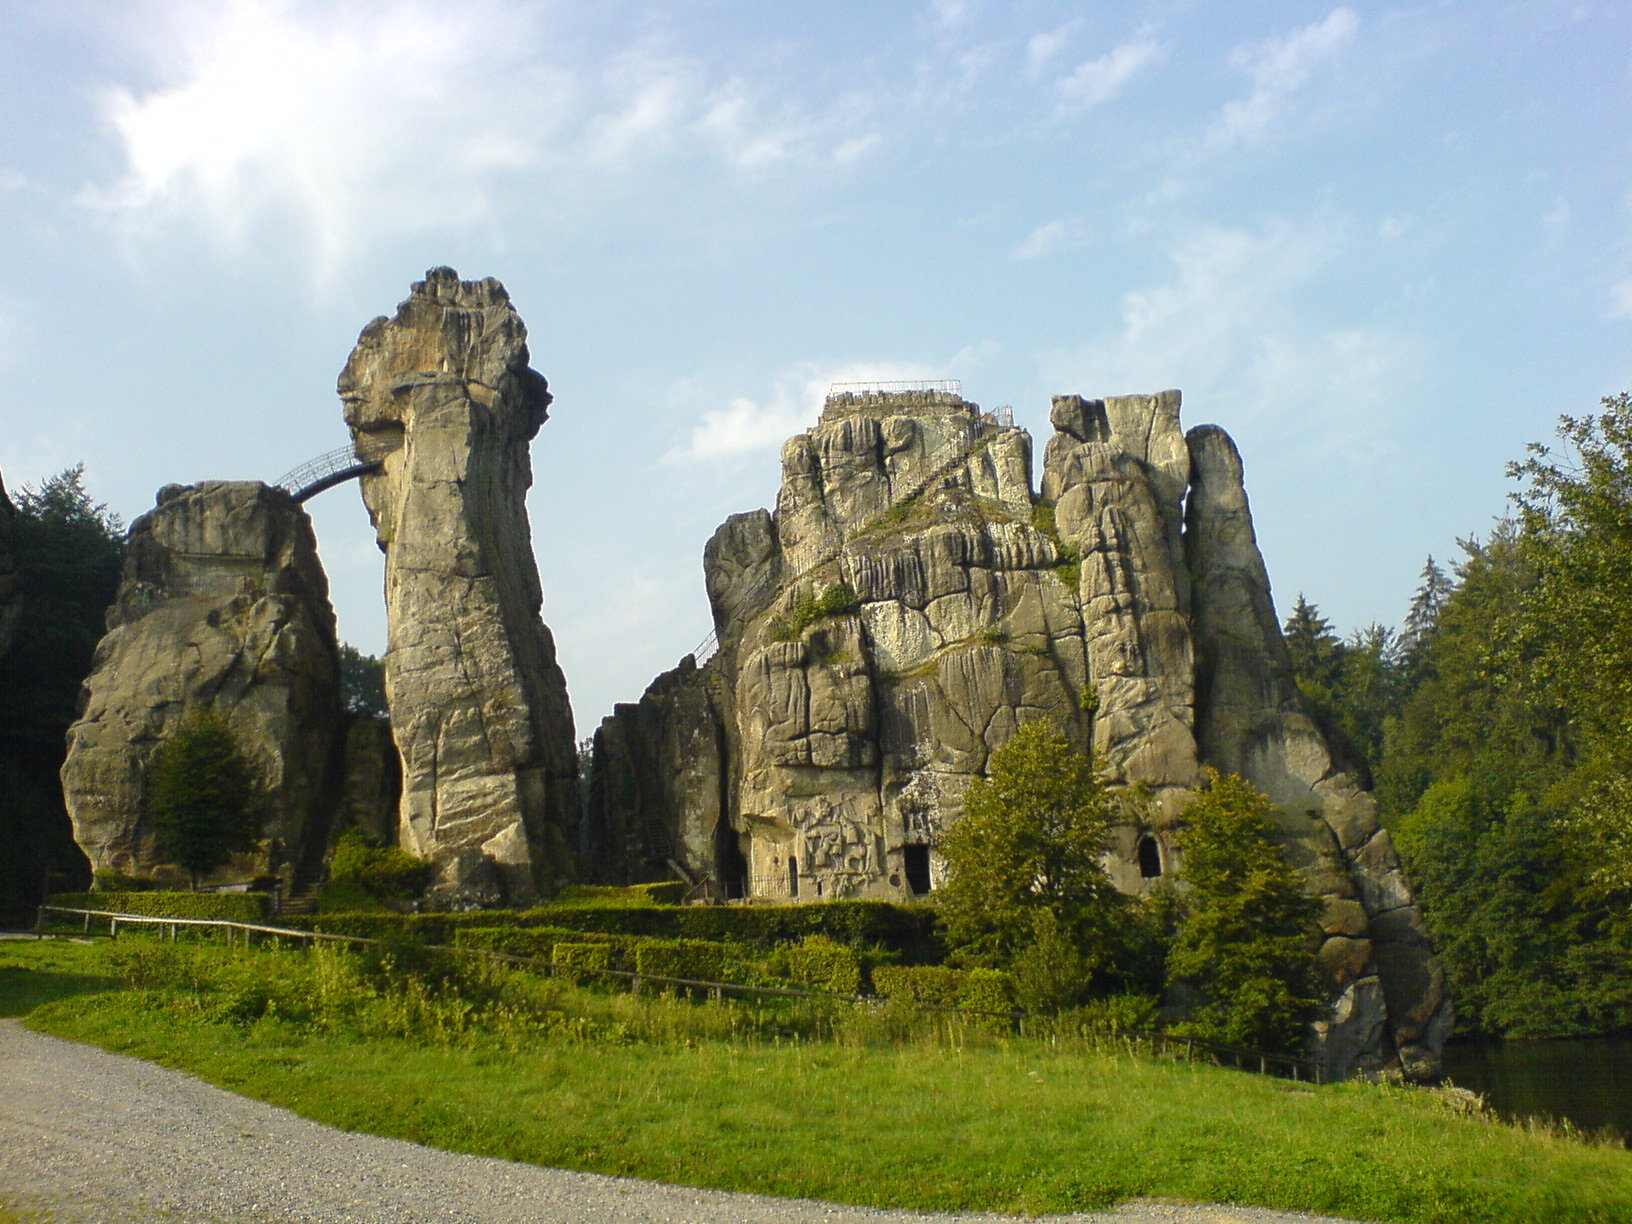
column 916, row 860
column 1150, row 857
column 793, row 876
column 733, row 866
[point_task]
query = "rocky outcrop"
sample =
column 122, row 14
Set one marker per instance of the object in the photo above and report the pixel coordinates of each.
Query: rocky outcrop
column 479, row 707
column 223, row 605
column 911, row 602
column 1252, row 721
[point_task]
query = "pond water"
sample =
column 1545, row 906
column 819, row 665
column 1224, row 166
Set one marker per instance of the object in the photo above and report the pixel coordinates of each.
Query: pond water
column 1587, row 1080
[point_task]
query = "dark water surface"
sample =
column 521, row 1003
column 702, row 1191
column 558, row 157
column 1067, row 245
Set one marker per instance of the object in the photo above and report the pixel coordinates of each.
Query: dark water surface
column 1587, row 1080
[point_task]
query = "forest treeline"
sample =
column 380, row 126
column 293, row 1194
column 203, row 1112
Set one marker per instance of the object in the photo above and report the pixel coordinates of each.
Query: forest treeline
column 1495, row 727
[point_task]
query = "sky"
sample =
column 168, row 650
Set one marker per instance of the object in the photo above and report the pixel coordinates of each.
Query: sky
column 1384, row 246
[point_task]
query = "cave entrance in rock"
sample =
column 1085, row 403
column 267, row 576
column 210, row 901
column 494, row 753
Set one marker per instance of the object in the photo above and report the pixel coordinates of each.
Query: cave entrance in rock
column 916, row 861
column 793, row 876
column 1149, row 854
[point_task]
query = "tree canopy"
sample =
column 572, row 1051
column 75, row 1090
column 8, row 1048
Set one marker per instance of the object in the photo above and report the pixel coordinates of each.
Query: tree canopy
column 203, row 796
column 1245, row 946
column 1502, row 765
column 1024, row 861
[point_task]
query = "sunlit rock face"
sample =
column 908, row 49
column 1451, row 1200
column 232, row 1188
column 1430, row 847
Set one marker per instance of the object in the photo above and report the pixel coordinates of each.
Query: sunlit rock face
column 222, row 605
column 911, row 602
column 479, row 708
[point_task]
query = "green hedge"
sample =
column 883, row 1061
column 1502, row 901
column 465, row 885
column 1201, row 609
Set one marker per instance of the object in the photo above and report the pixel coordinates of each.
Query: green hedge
column 984, row 990
column 696, row 960
column 225, row 907
column 930, row 985
column 825, row 966
column 987, row 990
column 909, row 930
column 582, row 956
column 542, row 942
column 663, row 892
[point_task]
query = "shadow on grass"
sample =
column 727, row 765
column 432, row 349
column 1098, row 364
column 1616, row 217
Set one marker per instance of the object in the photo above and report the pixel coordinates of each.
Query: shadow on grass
column 22, row 990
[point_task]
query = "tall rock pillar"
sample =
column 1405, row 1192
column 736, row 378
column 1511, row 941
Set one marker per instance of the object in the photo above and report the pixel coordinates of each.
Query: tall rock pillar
column 478, row 704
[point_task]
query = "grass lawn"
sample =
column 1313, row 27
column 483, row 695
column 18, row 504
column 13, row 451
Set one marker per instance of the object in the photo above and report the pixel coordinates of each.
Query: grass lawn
column 988, row 1123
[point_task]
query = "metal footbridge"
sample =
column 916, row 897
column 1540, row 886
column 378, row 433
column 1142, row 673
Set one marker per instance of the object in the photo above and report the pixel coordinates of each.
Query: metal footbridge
column 335, row 467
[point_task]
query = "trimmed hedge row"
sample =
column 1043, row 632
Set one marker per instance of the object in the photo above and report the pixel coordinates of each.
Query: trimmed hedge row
column 908, row 931
column 223, row 907
column 663, row 892
column 828, row 967
column 936, row 986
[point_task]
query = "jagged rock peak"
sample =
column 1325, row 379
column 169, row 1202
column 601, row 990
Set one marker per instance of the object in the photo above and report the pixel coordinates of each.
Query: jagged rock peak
column 478, row 704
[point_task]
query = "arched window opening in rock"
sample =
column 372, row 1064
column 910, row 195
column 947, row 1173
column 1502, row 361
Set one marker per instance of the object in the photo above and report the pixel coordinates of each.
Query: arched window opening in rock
column 916, row 861
column 1150, row 858
column 793, row 876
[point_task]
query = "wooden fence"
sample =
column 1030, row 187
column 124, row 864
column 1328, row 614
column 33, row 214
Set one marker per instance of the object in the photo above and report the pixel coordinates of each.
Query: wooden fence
column 1287, row 1066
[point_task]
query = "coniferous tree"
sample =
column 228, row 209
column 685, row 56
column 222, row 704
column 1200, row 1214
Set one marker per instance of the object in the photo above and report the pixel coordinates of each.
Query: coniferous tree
column 1245, row 946
column 203, row 796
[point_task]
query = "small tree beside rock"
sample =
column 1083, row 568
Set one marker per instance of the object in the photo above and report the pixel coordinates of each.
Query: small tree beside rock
column 204, row 797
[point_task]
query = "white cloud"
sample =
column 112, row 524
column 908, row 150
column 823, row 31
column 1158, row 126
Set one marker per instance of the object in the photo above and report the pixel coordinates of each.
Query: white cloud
column 1279, row 68
column 1620, row 299
column 1099, row 80
column 1048, row 239
column 335, row 121
column 1233, row 327
column 1042, row 48
column 326, row 126
column 753, row 426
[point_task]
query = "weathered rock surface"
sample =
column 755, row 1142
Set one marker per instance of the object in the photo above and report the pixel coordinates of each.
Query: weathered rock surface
column 479, row 707
column 222, row 604
column 910, row 603
column 1252, row 721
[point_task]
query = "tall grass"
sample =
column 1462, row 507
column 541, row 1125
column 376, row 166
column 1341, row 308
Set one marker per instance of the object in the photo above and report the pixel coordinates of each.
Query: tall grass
column 871, row 1106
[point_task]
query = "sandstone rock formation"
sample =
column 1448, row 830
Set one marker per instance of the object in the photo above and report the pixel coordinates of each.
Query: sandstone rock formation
column 911, row 602
column 478, row 705
column 222, row 604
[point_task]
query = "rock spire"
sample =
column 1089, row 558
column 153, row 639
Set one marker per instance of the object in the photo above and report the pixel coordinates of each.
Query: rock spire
column 479, row 707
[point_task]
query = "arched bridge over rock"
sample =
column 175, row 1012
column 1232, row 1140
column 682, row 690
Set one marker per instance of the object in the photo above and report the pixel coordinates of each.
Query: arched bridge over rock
column 334, row 467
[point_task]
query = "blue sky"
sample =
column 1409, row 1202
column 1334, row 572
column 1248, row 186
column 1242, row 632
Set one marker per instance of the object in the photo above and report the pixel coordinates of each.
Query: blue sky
column 1383, row 245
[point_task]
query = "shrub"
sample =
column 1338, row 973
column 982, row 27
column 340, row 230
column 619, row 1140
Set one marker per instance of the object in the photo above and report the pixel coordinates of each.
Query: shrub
column 987, row 990
column 821, row 964
column 692, row 959
column 662, row 892
column 204, row 797
column 926, row 985
column 581, row 956
column 808, row 607
column 223, row 907
column 384, row 872
column 114, row 882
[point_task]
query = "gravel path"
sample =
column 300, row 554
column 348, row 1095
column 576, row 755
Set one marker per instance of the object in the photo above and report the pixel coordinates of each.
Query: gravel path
column 97, row 1137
